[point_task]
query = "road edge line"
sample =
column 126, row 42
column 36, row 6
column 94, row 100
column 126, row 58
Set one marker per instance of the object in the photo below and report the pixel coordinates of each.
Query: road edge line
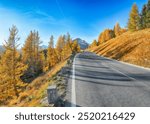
column 73, row 95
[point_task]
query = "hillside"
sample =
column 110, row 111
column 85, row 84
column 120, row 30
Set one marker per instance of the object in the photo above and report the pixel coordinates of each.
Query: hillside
column 131, row 47
column 36, row 91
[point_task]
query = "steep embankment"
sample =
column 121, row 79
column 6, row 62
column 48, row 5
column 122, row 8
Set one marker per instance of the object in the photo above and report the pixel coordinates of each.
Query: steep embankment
column 131, row 47
column 36, row 91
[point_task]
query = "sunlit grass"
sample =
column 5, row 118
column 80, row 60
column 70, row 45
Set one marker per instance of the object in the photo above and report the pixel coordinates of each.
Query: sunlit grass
column 36, row 90
column 131, row 47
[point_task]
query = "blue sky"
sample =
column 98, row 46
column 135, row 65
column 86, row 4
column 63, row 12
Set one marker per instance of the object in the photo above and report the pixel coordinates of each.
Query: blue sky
column 81, row 18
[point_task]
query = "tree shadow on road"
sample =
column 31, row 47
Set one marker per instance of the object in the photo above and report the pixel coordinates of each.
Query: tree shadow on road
column 91, row 66
column 69, row 104
column 101, row 75
column 106, row 84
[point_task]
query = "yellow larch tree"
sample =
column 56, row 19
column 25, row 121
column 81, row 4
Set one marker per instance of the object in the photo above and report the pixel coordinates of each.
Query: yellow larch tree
column 11, row 68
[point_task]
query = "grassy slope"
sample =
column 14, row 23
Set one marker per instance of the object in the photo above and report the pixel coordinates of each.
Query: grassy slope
column 36, row 90
column 131, row 47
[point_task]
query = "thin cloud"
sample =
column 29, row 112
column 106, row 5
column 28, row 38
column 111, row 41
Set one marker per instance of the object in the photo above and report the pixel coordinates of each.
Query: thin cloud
column 31, row 20
column 60, row 8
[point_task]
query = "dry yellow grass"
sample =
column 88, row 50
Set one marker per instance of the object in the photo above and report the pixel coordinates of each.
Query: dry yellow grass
column 36, row 90
column 131, row 47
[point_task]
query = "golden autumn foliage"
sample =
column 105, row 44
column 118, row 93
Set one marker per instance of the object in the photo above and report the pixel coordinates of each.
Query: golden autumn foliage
column 131, row 47
column 93, row 44
column 33, row 95
column 59, row 47
column 65, row 47
column 11, row 68
column 21, row 72
column 75, row 47
column 52, row 57
column 31, row 55
column 106, row 35
column 133, row 18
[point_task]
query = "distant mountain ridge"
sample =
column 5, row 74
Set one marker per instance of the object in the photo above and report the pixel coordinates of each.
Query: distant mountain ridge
column 83, row 44
column 43, row 47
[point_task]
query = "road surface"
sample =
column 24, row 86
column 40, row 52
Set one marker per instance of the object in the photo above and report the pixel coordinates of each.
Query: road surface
column 100, row 82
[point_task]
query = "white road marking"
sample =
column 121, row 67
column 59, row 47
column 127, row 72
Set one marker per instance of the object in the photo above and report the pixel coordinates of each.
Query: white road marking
column 122, row 73
column 132, row 65
column 134, row 79
column 73, row 97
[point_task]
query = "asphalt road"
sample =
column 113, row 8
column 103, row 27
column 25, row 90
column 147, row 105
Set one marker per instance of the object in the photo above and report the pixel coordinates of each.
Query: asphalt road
column 100, row 82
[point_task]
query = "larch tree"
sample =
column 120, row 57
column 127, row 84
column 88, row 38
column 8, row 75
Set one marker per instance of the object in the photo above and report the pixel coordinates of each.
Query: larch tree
column 11, row 68
column 27, row 50
column 67, row 49
column 143, row 17
column 94, row 43
column 52, row 57
column 106, row 35
column 148, row 15
column 43, row 58
column 140, row 26
column 117, row 29
column 59, row 47
column 133, row 18
column 31, row 54
column 69, row 43
column 75, row 47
